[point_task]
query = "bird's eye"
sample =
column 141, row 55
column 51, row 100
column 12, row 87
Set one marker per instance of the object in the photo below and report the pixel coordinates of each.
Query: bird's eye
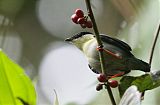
column 94, row 36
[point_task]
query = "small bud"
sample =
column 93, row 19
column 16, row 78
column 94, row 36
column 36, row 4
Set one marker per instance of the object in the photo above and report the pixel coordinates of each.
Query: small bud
column 74, row 18
column 99, row 87
column 81, row 20
column 102, row 78
column 88, row 24
column 79, row 13
column 113, row 83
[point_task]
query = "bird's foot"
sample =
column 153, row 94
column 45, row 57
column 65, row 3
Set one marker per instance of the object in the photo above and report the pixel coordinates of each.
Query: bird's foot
column 117, row 75
column 100, row 48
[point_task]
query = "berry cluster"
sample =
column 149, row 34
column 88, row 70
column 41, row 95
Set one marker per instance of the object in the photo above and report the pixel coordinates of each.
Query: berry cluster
column 103, row 78
column 79, row 18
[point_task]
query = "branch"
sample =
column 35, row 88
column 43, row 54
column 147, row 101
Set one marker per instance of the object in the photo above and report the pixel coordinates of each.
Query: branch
column 100, row 44
column 110, row 94
column 154, row 44
column 152, row 52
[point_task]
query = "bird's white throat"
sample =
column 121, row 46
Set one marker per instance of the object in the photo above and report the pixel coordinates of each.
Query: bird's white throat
column 80, row 42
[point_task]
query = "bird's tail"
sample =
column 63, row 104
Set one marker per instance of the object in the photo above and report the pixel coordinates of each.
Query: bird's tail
column 137, row 64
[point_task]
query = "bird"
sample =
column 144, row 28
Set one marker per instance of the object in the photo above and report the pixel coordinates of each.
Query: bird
column 117, row 54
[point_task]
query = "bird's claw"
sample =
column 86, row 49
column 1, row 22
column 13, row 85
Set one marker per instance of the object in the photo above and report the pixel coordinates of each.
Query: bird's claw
column 100, row 48
column 117, row 75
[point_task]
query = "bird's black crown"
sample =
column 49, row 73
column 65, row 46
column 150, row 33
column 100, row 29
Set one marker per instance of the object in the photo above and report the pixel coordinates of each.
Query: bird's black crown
column 78, row 35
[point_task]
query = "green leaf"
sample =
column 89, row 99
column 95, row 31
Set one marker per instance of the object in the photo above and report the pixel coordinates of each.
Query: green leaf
column 24, row 103
column 14, row 84
column 143, row 82
column 125, row 83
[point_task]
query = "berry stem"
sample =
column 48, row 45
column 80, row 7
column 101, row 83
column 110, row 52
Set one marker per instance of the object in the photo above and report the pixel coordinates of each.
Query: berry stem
column 110, row 94
column 101, row 54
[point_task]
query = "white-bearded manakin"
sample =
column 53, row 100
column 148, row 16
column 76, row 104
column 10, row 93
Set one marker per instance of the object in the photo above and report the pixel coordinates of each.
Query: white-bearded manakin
column 117, row 54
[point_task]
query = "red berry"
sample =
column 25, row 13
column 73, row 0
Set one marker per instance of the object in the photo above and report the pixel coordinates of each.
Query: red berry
column 81, row 20
column 74, row 18
column 83, row 25
column 113, row 83
column 79, row 13
column 88, row 24
column 102, row 78
column 99, row 87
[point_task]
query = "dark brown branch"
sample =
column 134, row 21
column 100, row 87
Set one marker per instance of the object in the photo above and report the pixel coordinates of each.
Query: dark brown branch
column 152, row 52
column 154, row 44
column 110, row 94
column 100, row 44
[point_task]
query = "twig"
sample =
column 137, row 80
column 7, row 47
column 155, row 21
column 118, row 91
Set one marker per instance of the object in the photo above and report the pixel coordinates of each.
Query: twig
column 152, row 52
column 100, row 44
column 154, row 44
column 110, row 94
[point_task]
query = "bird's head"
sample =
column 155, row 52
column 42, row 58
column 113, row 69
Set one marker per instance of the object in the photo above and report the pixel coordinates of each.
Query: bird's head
column 80, row 39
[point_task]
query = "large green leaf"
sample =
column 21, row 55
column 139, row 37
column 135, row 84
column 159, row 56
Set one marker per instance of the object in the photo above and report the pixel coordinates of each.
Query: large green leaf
column 15, row 86
column 143, row 82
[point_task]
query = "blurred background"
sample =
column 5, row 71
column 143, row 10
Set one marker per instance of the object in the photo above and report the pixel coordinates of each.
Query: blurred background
column 32, row 33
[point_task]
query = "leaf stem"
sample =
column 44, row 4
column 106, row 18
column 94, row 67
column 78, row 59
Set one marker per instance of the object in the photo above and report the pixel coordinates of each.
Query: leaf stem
column 100, row 44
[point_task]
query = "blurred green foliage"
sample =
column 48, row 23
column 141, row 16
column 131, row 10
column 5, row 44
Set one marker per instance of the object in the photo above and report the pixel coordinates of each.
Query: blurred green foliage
column 14, row 83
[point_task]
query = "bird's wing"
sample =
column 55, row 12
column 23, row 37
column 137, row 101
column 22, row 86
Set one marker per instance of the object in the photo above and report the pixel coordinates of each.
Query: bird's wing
column 115, row 42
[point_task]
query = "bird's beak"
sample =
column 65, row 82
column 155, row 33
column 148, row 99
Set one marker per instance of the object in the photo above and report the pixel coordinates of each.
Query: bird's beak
column 68, row 40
